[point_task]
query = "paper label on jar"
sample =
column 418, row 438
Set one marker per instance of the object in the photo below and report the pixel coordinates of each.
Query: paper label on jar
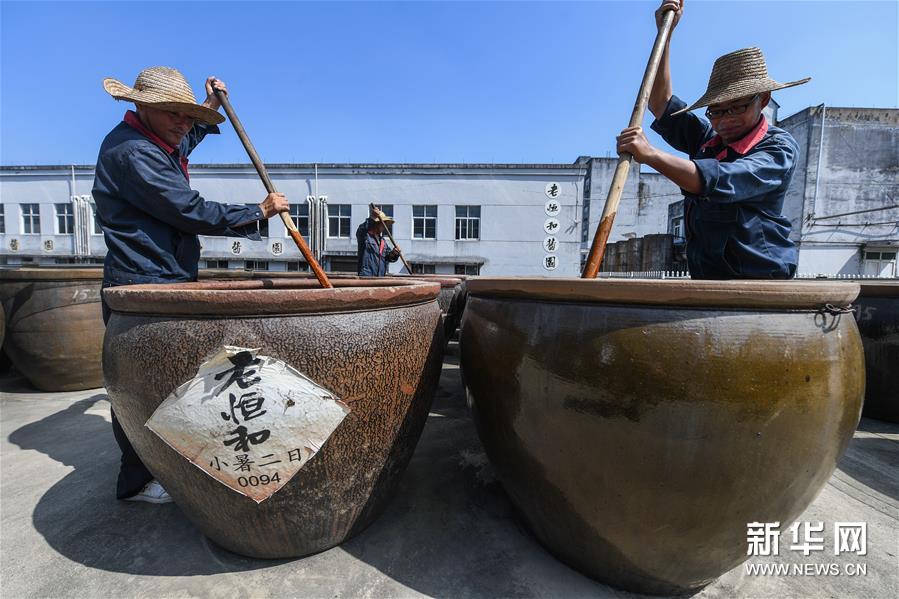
column 249, row 421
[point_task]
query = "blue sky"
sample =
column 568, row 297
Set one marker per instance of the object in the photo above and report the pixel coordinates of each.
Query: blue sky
column 415, row 81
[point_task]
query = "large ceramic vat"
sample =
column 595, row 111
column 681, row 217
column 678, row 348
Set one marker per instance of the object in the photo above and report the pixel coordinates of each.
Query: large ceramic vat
column 878, row 322
column 639, row 425
column 377, row 345
column 54, row 326
column 451, row 288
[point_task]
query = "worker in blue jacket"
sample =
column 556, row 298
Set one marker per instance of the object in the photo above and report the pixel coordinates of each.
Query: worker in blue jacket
column 738, row 170
column 150, row 216
column 373, row 252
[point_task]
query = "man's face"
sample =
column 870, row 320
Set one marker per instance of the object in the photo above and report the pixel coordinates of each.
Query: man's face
column 170, row 126
column 732, row 120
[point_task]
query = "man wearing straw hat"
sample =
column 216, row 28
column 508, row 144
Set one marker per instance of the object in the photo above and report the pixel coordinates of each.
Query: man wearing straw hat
column 738, row 171
column 372, row 253
column 149, row 214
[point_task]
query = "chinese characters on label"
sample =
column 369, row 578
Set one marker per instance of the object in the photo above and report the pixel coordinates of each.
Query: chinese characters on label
column 14, row 245
column 235, row 247
column 550, row 244
column 552, row 190
column 762, row 538
column 277, row 248
column 552, row 208
column 249, row 421
column 550, row 262
column 551, row 226
column 48, row 245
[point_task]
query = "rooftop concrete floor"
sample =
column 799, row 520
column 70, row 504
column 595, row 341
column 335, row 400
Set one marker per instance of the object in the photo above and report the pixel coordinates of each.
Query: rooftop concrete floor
column 449, row 532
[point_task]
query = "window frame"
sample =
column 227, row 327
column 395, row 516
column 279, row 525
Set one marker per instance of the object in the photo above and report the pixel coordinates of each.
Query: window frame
column 340, row 217
column 69, row 217
column 467, row 221
column 297, row 218
column 425, row 217
column 31, row 218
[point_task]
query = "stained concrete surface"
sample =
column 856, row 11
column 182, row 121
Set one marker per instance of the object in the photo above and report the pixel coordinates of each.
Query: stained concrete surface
column 449, row 532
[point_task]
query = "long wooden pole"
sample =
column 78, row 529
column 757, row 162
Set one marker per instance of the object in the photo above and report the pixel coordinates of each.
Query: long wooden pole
column 598, row 248
column 270, row 188
column 393, row 241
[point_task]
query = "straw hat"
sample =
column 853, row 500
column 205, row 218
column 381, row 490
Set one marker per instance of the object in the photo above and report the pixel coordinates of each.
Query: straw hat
column 379, row 217
column 164, row 88
column 738, row 75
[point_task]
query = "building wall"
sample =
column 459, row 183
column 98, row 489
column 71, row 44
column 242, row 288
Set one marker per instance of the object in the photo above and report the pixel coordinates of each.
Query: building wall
column 858, row 156
column 859, row 171
column 512, row 200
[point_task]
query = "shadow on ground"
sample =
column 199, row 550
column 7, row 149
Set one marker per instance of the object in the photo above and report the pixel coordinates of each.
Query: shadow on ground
column 874, row 460
column 81, row 519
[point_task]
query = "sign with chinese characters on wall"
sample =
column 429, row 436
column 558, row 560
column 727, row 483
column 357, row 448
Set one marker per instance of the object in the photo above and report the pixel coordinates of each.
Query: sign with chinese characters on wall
column 248, row 420
column 551, row 226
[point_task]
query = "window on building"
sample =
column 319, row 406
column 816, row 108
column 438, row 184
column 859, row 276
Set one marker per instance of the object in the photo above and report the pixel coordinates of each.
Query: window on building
column 468, row 222
column 262, row 224
column 96, row 229
column 297, row 266
column 2, row 218
column 65, row 219
column 256, row 265
column 880, row 263
column 339, row 220
column 424, row 222
column 677, row 227
column 299, row 213
column 468, row 269
column 31, row 219
column 424, row 269
column 217, row 264
column 388, row 210
column 66, row 261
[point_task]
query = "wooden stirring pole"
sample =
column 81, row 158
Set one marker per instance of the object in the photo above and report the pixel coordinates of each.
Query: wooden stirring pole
column 390, row 235
column 270, row 188
column 594, row 258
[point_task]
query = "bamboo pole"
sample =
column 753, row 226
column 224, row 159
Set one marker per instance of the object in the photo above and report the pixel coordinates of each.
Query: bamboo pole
column 598, row 248
column 270, row 188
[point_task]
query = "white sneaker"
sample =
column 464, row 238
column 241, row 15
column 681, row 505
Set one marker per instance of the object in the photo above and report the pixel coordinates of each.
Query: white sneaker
column 152, row 493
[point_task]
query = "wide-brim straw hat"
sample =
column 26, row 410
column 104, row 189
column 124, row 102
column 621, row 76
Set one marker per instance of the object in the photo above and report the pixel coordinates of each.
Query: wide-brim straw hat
column 387, row 220
column 164, row 88
column 738, row 75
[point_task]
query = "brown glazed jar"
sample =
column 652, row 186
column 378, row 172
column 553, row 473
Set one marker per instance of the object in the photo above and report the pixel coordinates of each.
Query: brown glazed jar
column 451, row 287
column 640, row 425
column 877, row 313
column 377, row 345
column 54, row 325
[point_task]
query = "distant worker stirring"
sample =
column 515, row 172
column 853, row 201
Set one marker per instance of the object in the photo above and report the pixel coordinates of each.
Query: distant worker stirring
column 739, row 166
column 373, row 252
column 149, row 214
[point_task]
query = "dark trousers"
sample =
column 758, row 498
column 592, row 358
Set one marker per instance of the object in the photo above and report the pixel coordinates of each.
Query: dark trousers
column 133, row 475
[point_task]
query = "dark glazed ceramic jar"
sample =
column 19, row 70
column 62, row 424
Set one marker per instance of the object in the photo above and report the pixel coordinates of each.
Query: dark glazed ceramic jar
column 451, row 287
column 376, row 345
column 639, row 425
column 54, row 325
column 878, row 322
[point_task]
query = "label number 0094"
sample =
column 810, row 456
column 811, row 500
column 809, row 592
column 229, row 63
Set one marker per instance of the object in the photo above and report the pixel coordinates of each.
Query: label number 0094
column 255, row 481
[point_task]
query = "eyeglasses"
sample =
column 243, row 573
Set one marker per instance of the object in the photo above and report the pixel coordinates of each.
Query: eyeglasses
column 736, row 109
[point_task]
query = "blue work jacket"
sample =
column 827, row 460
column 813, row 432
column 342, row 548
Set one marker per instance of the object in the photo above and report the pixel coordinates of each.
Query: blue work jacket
column 149, row 214
column 735, row 227
column 373, row 253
